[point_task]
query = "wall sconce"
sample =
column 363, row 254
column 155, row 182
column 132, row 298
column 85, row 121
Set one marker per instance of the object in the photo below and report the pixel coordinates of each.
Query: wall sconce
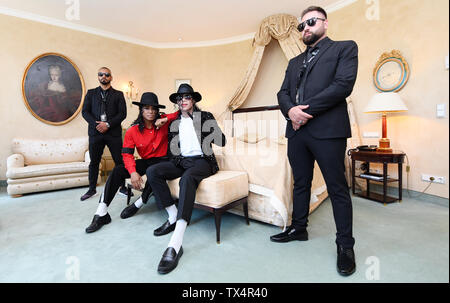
column 131, row 96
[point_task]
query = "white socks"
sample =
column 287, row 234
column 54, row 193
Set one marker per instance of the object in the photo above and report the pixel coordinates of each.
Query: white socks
column 102, row 208
column 178, row 233
column 172, row 211
column 139, row 203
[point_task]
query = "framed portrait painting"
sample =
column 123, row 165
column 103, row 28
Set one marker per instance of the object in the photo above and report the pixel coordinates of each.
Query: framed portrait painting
column 53, row 89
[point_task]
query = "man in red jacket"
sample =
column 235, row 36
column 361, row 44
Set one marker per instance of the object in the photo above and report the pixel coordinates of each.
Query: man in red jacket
column 151, row 144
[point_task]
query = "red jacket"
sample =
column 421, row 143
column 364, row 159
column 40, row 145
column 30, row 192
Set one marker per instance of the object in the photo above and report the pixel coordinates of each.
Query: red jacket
column 151, row 143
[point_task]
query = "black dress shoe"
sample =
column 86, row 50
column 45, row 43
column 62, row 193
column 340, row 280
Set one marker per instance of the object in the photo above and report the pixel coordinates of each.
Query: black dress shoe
column 290, row 234
column 129, row 211
column 169, row 260
column 345, row 261
column 88, row 194
column 98, row 222
column 164, row 229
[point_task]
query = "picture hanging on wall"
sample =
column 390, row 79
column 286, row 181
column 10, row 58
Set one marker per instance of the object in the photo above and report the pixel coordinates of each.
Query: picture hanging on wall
column 53, row 89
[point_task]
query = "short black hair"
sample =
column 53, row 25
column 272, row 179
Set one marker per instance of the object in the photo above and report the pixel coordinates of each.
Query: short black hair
column 104, row 67
column 314, row 9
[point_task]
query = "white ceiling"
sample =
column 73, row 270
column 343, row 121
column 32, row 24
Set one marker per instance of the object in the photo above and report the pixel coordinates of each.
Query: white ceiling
column 163, row 22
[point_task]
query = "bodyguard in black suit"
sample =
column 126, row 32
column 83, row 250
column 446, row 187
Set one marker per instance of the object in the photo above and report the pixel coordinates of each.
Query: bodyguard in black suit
column 104, row 109
column 313, row 100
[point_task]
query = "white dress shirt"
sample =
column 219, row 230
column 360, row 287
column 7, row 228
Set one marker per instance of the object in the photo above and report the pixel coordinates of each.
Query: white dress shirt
column 189, row 144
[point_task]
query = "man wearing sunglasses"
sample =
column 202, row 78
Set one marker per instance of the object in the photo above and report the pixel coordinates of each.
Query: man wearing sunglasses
column 190, row 137
column 104, row 109
column 313, row 100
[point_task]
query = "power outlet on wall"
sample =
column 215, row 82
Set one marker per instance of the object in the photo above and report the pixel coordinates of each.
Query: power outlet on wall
column 433, row 179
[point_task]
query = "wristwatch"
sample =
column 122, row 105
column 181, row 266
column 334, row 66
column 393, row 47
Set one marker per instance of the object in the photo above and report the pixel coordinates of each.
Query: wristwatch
column 107, row 124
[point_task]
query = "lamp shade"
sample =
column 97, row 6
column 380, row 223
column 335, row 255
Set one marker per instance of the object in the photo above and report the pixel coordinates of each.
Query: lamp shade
column 385, row 102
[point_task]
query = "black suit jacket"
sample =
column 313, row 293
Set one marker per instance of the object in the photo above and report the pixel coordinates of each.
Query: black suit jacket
column 208, row 132
column 116, row 111
column 330, row 78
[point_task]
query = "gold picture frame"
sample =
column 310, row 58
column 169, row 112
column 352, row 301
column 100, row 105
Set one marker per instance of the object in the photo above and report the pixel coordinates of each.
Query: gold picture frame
column 53, row 89
column 391, row 72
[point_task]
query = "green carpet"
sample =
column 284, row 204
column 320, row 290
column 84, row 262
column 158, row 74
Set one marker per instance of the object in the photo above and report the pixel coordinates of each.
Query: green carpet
column 42, row 239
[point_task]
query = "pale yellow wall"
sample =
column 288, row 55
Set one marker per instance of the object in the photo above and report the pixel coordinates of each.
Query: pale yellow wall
column 214, row 71
column 269, row 78
column 420, row 31
column 410, row 26
column 22, row 41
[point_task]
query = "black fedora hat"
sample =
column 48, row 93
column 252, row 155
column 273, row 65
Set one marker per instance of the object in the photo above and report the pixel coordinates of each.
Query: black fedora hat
column 149, row 98
column 185, row 89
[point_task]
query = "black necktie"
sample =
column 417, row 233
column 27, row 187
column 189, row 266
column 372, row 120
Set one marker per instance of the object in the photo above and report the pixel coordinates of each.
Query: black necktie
column 312, row 51
column 103, row 106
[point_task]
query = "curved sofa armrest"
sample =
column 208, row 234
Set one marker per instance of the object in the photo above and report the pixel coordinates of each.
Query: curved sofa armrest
column 15, row 160
column 87, row 157
column 12, row 162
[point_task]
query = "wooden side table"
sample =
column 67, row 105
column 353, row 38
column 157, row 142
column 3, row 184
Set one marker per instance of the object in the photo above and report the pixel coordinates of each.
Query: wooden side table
column 395, row 157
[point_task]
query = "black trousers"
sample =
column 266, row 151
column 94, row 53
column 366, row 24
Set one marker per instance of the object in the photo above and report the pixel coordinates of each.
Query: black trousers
column 96, row 146
column 120, row 173
column 303, row 150
column 191, row 170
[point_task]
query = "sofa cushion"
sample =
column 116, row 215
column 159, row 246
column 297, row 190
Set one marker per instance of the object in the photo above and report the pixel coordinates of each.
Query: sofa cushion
column 50, row 178
column 75, row 180
column 219, row 189
column 52, row 150
column 46, row 170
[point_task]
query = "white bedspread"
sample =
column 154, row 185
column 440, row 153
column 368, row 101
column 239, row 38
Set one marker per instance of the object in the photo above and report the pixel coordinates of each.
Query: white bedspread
column 269, row 172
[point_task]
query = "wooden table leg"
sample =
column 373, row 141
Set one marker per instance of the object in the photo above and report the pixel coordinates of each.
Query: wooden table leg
column 400, row 185
column 385, row 172
column 368, row 181
column 353, row 176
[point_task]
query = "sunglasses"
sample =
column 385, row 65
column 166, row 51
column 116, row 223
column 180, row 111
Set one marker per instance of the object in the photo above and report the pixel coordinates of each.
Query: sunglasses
column 187, row 97
column 107, row 75
column 310, row 22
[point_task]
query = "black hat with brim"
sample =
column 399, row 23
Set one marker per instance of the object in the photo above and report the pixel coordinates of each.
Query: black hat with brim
column 185, row 89
column 149, row 99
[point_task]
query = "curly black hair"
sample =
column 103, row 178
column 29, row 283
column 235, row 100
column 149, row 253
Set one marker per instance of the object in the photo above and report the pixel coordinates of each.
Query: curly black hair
column 140, row 120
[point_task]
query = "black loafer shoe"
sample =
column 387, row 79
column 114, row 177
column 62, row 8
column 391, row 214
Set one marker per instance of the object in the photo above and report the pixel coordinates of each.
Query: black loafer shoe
column 164, row 229
column 290, row 234
column 98, row 222
column 129, row 211
column 345, row 261
column 169, row 260
column 90, row 193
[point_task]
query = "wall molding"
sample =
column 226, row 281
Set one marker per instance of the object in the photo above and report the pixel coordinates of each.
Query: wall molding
column 338, row 5
column 159, row 45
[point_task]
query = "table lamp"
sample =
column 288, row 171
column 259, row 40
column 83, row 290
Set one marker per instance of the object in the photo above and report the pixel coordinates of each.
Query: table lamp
column 385, row 103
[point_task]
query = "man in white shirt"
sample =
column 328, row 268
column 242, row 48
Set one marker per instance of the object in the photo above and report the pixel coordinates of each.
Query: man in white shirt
column 192, row 159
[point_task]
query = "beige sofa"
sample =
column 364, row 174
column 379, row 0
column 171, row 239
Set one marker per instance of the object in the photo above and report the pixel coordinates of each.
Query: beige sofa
column 47, row 164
